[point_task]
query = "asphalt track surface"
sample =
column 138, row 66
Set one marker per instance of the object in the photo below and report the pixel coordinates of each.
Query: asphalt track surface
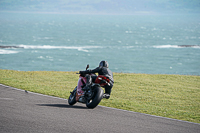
column 26, row 112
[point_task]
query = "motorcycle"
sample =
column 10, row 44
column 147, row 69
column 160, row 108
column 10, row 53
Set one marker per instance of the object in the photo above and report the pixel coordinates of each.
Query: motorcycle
column 93, row 95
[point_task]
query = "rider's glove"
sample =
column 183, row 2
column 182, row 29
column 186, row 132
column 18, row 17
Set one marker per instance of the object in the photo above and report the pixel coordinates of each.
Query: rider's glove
column 81, row 72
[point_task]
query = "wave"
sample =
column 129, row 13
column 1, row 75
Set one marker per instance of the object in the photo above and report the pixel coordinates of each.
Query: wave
column 79, row 48
column 166, row 46
column 56, row 47
column 8, row 52
column 9, row 47
column 87, row 48
column 177, row 46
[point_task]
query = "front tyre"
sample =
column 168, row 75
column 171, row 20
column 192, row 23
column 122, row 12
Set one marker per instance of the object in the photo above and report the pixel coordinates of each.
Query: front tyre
column 96, row 99
column 72, row 97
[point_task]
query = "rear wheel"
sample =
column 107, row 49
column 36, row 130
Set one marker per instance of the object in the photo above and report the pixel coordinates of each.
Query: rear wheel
column 96, row 98
column 72, row 97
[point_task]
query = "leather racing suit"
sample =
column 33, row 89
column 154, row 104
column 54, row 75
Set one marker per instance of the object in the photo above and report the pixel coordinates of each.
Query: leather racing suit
column 101, row 71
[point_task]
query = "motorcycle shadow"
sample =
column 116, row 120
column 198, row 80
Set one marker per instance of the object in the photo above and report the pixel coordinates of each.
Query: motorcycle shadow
column 62, row 106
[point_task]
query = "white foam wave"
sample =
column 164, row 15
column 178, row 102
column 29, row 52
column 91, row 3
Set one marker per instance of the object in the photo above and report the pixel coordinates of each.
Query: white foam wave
column 197, row 47
column 177, row 46
column 167, row 46
column 8, row 52
column 80, row 48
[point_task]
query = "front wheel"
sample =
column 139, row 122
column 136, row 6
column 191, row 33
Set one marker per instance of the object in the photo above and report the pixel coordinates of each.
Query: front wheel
column 72, row 97
column 96, row 99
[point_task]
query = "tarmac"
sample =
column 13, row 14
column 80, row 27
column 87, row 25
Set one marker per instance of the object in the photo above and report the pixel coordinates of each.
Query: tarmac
column 23, row 111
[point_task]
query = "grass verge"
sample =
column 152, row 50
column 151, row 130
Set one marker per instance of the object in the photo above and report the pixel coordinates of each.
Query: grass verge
column 172, row 96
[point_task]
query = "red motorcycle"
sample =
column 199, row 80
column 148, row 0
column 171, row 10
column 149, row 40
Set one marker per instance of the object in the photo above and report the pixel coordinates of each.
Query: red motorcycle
column 94, row 93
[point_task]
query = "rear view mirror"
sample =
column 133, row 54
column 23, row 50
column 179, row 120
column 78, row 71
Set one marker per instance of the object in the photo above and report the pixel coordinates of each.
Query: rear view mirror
column 87, row 66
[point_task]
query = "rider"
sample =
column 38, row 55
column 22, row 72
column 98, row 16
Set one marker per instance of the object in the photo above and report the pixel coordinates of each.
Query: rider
column 101, row 70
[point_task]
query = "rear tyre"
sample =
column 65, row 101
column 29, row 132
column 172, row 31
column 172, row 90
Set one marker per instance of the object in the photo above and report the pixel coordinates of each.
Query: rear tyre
column 72, row 97
column 96, row 99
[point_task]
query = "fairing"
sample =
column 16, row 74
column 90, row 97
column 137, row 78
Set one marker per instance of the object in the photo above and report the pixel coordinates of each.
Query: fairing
column 79, row 88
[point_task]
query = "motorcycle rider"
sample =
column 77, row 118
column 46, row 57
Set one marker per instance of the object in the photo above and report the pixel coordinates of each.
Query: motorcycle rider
column 101, row 70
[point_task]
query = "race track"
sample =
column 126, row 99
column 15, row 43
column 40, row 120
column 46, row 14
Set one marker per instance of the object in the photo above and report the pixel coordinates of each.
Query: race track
column 23, row 112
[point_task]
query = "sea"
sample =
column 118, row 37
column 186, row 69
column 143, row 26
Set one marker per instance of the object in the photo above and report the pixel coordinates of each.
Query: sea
column 140, row 43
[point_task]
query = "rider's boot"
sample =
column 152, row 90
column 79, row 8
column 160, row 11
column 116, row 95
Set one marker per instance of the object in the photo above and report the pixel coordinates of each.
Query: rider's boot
column 107, row 96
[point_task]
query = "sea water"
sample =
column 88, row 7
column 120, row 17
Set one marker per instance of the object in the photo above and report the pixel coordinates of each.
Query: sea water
column 152, row 44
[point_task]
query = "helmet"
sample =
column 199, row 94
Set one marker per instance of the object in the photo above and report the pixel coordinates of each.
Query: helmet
column 103, row 64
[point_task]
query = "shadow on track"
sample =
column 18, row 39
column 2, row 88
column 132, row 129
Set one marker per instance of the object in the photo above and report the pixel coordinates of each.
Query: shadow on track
column 62, row 106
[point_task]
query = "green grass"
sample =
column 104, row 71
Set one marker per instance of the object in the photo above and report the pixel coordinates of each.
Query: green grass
column 172, row 96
